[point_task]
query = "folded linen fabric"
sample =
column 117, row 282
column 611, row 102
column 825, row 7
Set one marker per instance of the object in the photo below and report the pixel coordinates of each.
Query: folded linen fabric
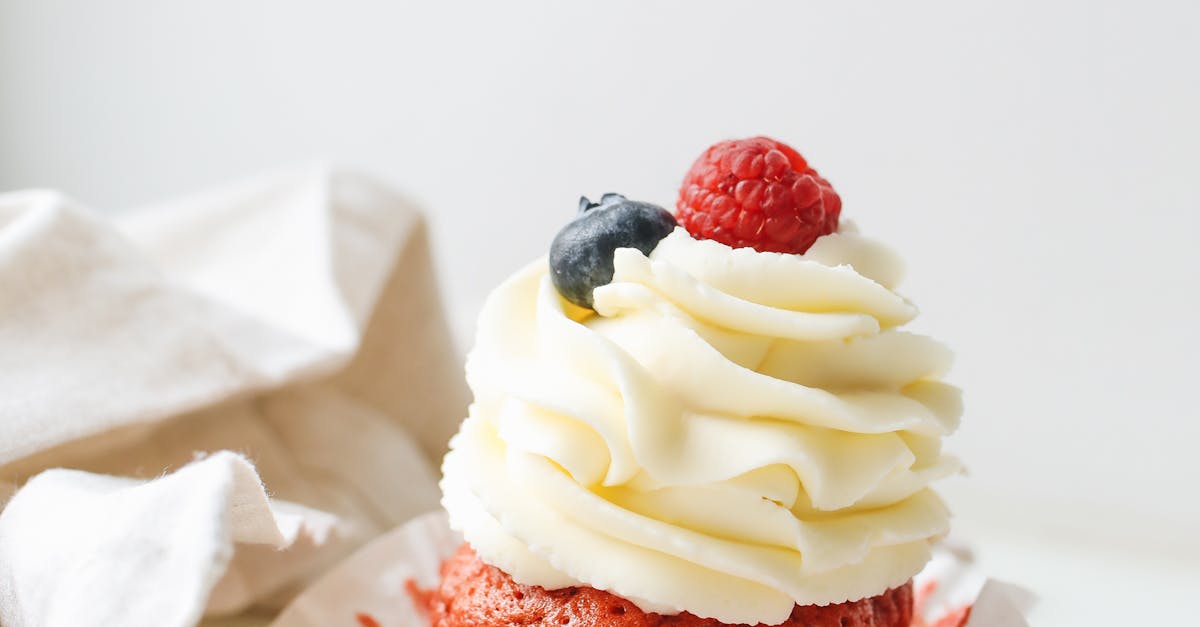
column 293, row 318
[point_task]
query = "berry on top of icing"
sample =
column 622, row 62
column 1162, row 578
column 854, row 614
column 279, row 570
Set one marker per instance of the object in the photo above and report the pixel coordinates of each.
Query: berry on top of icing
column 757, row 193
column 581, row 255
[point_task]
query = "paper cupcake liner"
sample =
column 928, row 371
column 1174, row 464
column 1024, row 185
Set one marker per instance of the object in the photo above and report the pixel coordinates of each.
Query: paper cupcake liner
column 368, row 589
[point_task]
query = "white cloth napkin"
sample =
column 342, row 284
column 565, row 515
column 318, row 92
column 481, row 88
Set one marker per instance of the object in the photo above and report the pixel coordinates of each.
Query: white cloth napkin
column 293, row 318
column 115, row 551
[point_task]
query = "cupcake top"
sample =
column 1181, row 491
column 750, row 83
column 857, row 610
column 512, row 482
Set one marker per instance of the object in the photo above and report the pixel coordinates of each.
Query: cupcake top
column 723, row 422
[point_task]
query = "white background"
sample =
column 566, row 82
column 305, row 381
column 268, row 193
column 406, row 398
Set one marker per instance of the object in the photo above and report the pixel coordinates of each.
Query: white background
column 1036, row 163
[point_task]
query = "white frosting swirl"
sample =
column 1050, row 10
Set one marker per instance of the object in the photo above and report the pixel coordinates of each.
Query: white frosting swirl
column 730, row 433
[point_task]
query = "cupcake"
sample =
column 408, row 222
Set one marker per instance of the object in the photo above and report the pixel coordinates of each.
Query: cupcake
column 709, row 417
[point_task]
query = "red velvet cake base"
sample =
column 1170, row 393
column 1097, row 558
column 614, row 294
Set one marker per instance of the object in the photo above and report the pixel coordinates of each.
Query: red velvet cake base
column 474, row 594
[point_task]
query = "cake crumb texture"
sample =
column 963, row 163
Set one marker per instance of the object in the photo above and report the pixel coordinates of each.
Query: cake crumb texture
column 475, row 594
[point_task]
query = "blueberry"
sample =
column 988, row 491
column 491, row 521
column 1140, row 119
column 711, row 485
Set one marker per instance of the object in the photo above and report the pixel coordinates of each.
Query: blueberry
column 581, row 256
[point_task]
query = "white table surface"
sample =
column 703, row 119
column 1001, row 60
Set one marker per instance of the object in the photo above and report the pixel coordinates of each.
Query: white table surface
column 1085, row 577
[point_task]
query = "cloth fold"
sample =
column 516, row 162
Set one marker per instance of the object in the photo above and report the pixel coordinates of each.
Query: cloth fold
column 292, row 318
column 115, row 551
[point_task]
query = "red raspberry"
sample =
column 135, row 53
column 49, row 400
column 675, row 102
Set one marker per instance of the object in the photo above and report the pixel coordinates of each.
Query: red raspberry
column 757, row 193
